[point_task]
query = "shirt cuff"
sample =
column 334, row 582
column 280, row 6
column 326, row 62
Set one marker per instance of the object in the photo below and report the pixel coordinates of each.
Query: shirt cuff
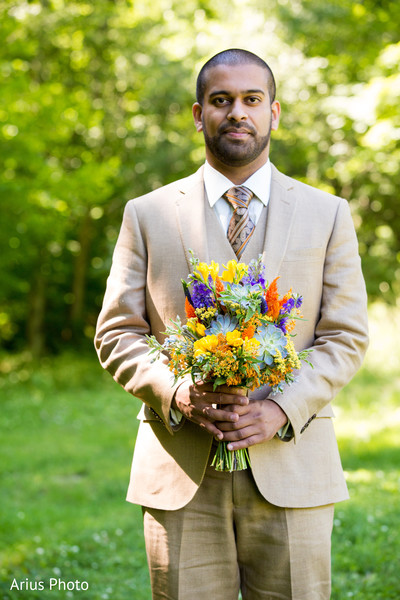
column 175, row 416
column 285, row 433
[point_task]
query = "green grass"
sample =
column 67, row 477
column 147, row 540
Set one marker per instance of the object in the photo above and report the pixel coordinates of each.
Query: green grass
column 67, row 434
column 366, row 543
column 366, row 538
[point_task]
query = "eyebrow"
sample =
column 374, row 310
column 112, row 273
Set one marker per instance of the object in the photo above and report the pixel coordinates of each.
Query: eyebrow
column 226, row 93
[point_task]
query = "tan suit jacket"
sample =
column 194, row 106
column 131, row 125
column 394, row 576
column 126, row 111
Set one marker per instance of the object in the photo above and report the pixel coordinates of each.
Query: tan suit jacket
column 310, row 242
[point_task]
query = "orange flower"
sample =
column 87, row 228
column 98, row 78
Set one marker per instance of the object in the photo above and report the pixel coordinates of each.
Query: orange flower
column 290, row 325
column 219, row 286
column 272, row 299
column 248, row 332
column 272, row 292
column 189, row 310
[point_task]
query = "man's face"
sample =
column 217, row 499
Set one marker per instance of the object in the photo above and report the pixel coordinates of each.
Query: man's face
column 237, row 117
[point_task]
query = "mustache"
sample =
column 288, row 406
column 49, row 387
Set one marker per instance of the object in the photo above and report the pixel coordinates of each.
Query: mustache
column 226, row 127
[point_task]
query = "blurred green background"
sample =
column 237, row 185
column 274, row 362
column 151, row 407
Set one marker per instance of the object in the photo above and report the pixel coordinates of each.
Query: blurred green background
column 96, row 109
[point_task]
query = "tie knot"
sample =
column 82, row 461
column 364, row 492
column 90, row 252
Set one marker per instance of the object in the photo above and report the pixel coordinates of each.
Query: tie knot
column 239, row 196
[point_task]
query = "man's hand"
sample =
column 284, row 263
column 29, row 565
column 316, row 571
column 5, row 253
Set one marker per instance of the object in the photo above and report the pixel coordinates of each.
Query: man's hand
column 196, row 402
column 257, row 422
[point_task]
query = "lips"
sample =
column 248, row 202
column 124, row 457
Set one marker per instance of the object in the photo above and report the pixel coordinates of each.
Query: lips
column 234, row 131
column 238, row 132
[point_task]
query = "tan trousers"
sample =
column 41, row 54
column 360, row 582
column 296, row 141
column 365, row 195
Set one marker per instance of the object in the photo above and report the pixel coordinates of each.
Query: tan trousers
column 229, row 538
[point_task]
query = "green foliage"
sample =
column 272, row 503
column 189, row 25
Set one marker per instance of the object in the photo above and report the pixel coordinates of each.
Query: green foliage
column 96, row 110
column 91, row 117
column 351, row 116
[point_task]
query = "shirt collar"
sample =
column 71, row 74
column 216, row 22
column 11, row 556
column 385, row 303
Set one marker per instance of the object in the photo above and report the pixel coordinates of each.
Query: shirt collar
column 217, row 184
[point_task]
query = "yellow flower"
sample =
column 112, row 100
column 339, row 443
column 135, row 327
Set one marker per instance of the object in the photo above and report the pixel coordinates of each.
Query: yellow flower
column 229, row 274
column 234, row 271
column 234, row 338
column 214, row 269
column 191, row 323
column 206, row 270
column 200, row 329
column 196, row 327
column 251, row 344
column 206, row 344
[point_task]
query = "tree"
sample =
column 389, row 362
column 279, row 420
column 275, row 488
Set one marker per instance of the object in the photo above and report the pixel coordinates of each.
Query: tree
column 92, row 118
column 96, row 110
column 355, row 122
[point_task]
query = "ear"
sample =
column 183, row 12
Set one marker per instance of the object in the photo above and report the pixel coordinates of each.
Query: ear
column 197, row 111
column 275, row 115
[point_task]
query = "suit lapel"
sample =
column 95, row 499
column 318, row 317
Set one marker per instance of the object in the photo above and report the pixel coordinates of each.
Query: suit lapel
column 192, row 229
column 190, row 210
column 281, row 214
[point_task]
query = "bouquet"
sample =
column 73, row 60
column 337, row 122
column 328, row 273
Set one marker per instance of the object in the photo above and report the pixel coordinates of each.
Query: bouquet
column 237, row 333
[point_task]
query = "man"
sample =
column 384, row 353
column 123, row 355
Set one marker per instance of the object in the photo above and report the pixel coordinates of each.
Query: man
column 265, row 530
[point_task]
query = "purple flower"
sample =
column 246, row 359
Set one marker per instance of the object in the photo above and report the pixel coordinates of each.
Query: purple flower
column 264, row 306
column 255, row 274
column 299, row 301
column 282, row 325
column 201, row 295
column 288, row 306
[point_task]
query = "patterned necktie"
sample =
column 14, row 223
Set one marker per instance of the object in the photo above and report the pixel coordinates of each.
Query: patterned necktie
column 241, row 227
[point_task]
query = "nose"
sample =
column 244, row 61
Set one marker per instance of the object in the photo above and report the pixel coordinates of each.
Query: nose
column 237, row 111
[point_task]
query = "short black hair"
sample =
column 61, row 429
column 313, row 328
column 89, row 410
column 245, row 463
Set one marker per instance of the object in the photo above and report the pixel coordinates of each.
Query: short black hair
column 231, row 57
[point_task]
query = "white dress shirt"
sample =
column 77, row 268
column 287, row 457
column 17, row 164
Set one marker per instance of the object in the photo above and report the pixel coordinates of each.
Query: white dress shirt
column 217, row 184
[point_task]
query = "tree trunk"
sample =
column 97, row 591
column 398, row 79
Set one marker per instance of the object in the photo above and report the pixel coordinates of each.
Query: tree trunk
column 80, row 273
column 36, row 313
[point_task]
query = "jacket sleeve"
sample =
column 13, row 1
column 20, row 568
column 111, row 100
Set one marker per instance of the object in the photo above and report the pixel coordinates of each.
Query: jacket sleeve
column 123, row 324
column 341, row 334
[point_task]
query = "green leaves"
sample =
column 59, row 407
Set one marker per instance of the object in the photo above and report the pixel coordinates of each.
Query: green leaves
column 96, row 109
column 236, row 294
column 90, row 118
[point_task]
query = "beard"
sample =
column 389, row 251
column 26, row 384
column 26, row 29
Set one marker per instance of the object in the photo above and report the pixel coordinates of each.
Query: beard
column 236, row 154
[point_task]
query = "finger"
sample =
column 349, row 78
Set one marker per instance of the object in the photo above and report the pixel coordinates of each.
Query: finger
column 210, row 427
column 235, row 435
column 204, row 393
column 224, row 400
column 245, row 443
column 226, row 426
column 233, row 399
column 236, row 408
column 220, row 415
column 245, row 419
column 242, row 416
column 246, row 437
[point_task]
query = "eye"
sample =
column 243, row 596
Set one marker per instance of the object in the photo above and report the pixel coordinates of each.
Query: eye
column 253, row 99
column 220, row 101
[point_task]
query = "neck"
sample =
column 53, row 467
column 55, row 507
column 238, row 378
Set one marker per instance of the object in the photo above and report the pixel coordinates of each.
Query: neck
column 237, row 175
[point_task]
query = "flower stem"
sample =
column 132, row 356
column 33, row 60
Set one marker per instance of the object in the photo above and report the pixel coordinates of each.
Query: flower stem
column 225, row 460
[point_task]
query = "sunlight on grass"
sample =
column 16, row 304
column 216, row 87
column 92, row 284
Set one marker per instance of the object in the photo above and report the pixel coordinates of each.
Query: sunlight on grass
column 370, row 404
column 383, row 354
column 365, row 536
